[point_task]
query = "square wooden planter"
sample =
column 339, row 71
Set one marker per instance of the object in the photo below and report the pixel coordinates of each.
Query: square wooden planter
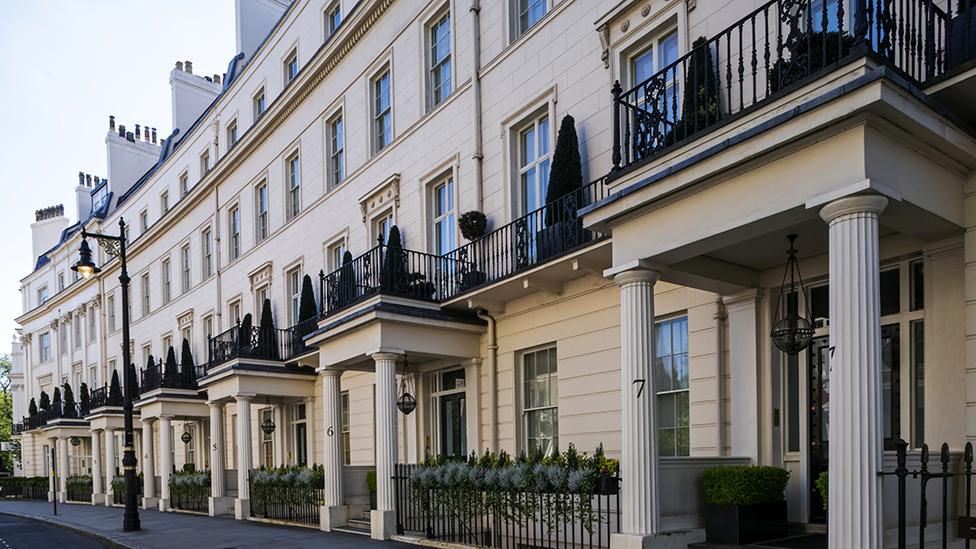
column 745, row 523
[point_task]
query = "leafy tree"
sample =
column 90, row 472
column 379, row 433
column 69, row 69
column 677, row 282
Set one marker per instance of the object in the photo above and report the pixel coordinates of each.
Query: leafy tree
column 186, row 363
column 115, row 388
column 268, row 343
column 45, row 401
column 6, row 399
column 566, row 175
column 172, row 371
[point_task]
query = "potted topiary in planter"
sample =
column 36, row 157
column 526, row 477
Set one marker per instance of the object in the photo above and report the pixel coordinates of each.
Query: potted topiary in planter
column 371, row 486
column 563, row 227
column 473, row 225
column 744, row 503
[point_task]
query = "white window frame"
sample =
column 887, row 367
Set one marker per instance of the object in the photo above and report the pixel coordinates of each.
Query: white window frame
column 110, row 306
column 76, row 332
column 448, row 215
column 293, row 184
column 206, row 238
column 92, row 316
column 334, row 252
column 331, row 12
column 293, row 280
column 433, row 65
column 233, row 232
column 164, row 201
column 294, row 428
column 44, row 346
column 525, row 410
column 380, row 138
column 290, row 67
column 674, row 391
column 146, row 299
column 184, row 183
column 165, row 267
column 42, row 295
column 516, row 10
column 205, row 163
column 232, row 135
column 261, row 206
column 525, row 168
column 259, row 103
column 143, row 221
column 185, row 272
column 335, row 149
column 345, row 416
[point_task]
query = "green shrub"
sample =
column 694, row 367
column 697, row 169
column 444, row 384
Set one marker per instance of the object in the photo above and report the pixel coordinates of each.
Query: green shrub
column 371, row 481
column 190, row 485
column 744, row 484
column 79, row 481
column 821, row 484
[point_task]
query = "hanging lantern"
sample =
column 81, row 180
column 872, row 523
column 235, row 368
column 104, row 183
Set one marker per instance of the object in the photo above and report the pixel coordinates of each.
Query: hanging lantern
column 186, row 437
column 406, row 403
column 75, row 441
column 268, row 426
column 791, row 332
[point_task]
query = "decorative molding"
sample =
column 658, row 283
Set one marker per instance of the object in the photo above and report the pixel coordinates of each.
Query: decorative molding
column 185, row 319
column 54, row 324
column 80, row 310
column 381, row 196
column 261, row 276
column 26, row 339
column 95, row 302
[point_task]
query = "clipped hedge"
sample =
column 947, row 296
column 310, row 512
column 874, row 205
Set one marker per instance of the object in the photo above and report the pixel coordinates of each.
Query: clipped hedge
column 190, row 485
column 14, row 484
column 744, row 484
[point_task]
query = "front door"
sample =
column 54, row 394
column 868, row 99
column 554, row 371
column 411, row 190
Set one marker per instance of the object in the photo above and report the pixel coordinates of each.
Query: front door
column 453, row 426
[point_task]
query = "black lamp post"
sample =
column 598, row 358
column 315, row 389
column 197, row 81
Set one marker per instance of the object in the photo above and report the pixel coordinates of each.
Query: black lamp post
column 115, row 247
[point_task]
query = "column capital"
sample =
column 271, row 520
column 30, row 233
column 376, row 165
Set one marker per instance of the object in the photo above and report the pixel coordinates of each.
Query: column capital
column 474, row 362
column 244, row 397
column 638, row 265
column 386, row 353
column 167, row 417
column 862, row 204
column 146, row 420
column 632, row 276
column 215, row 404
column 327, row 371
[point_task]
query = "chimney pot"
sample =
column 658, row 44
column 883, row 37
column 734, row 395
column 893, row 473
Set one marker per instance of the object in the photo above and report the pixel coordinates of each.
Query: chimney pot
column 154, row 135
column 81, row 178
column 138, row 132
column 111, row 123
column 189, row 66
column 129, row 137
column 208, row 79
column 121, row 130
column 216, row 78
column 179, row 65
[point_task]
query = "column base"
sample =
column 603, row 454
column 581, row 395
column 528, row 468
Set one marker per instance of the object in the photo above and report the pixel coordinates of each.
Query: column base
column 149, row 502
column 674, row 540
column 62, row 497
column 220, row 505
column 109, row 499
column 50, row 496
column 382, row 524
column 333, row 516
column 164, row 504
column 242, row 508
column 97, row 498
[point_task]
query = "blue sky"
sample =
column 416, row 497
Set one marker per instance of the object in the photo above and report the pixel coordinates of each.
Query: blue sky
column 65, row 66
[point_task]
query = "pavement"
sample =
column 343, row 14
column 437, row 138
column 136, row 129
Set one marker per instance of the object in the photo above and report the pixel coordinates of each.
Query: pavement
column 101, row 526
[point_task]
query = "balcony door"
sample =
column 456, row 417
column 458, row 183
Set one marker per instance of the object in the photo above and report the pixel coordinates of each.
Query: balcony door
column 449, row 407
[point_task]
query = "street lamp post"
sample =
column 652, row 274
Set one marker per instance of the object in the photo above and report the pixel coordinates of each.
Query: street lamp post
column 115, row 247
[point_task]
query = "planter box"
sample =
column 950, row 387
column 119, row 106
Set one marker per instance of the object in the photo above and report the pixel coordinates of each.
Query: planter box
column 607, row 486
column 745, row 523
column 472, row 278
column 558, row 237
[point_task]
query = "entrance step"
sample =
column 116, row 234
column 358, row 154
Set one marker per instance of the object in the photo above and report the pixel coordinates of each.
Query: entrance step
column 359, row 527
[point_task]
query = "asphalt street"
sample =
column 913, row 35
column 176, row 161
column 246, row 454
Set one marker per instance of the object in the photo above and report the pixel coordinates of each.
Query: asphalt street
column 22, row 533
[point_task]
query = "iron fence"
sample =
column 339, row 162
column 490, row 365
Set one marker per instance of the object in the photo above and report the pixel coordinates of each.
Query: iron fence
column 507, row 519
column 34, row 492
column 24, row 487
column 257, row 342
column 187, row 500
column 156, row 377
column 102, row 397
column 777, row 47
column 296, row 504
column 79, row 491
column 118, row 491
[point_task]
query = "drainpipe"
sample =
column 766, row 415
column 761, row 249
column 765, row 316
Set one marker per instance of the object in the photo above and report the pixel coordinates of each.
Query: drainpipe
column 478, row 155
column 492, row 379
column 216, row 232
column 719, row 318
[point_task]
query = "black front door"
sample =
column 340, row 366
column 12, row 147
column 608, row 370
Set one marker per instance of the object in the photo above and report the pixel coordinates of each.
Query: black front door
column 454, row 436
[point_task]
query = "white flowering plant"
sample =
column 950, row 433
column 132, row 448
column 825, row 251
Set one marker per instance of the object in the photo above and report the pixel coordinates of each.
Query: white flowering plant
column 190, row 485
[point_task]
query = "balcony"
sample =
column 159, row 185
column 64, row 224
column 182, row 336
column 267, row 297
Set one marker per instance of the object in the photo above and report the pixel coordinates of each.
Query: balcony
column 253, row 342
column 17, row 429
column 539, row 237
column 773, row 51
column 56, row 414
column 156, row 377
column 102, row 397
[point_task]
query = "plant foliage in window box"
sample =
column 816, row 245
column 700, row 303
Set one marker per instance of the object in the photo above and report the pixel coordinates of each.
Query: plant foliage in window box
column 744, row 503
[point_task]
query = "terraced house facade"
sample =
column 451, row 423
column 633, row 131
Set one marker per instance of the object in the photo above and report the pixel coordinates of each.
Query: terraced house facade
column 646, row 311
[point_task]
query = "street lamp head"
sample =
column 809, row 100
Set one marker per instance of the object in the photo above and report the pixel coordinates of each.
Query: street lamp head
column 85, row 266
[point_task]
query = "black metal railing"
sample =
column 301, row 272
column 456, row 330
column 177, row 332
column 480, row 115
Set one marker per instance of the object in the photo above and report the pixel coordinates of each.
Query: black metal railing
column 196, row 501
column 532, row 239
column 254, row 342
column 24, row 487
column 773, row 49
column 102, row 397
column 79, row 490
column 507, row 519
column 34, row 492
column 17, row 428
column 961, row 42
column 118, row 491
column 35, row 421
column 156, row 377
column 296, row 504
column 943, row 474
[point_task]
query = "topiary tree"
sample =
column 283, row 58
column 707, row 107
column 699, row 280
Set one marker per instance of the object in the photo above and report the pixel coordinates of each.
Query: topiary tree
column 268, row 337
column 473, row 224
column 393, row 276
column 172, row 371
column 700, row 101
column 134, row 377
column 56, row 401
column 32, row 407
column 244, row 333
column 186, row 364
column 115, row 389
column 345, row 288
column 69, row 401
column 45, row 401
column 566, row 174
column 85, row 398
column 306, row 305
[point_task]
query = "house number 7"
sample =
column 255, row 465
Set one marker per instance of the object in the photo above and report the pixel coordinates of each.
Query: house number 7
column 639, row 389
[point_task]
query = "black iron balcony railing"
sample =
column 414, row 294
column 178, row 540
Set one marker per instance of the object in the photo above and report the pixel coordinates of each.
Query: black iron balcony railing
column 156, row 377
column 58, row 410
column 17, row 429
column 260, row 343
column 772, row 50
column 102, row 397
column 36, row 421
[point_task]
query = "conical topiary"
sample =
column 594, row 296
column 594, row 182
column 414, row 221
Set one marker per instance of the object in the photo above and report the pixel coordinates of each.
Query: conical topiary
column 306, row 304
column 566, row 175
column 133, row 377
column 347, row 283
column 172, row 370
column 32, row 407
column 150, row 362
column 244, row 332
column 115, row 389
column 700, row 97
column 85, row 397
column 45, row 401
column 69, row 401
column 393, row 277
column 57, row 396
column 186, row 364
column 268, row 343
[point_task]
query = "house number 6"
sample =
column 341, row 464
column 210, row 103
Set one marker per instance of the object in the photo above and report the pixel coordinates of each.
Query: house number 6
column 331, row 431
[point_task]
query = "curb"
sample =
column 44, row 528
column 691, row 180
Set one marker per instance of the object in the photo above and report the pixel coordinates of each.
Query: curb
column 113, row 543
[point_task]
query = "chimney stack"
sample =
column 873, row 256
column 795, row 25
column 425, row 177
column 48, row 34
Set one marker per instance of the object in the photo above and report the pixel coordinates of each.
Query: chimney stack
column 154, row 136
column 111, row 123
column 46, row 230
column 188, row 65
column 179, row 65
column 138, row 133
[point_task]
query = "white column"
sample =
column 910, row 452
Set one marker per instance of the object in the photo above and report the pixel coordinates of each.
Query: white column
column 278, row 437
column 109, row 465
column 96, row 467
column 472, row 401
column 63, row 473
column 148, row 465
column 218, row 502
column 854, row 507
column 743, row 318
column 165, row 460
column 639, row 499
column 310, row 428
column 334, row 512
column 242, row 505
column 52, row 479
column 382, row 520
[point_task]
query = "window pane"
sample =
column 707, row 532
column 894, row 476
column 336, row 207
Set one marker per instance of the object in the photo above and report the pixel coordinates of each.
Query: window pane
column 890, row 292
column 918, row 286
column 918, row 375
column 820, row 304
column 669, row 50
column 665, row 440
column 662, row 373
column 643, row 66
column 665, row 410
column 680, row 365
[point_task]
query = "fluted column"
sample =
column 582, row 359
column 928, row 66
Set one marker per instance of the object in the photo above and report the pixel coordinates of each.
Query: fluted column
column 242, row 505
column 109, row 466
column 63, row 472
column 165, row 460
column 856, row 445
column 278, row 437
column 96, row 467
column 639, row 498
column 334, row 511
column 148, row 465
column 383, row 522
column 218, row 503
